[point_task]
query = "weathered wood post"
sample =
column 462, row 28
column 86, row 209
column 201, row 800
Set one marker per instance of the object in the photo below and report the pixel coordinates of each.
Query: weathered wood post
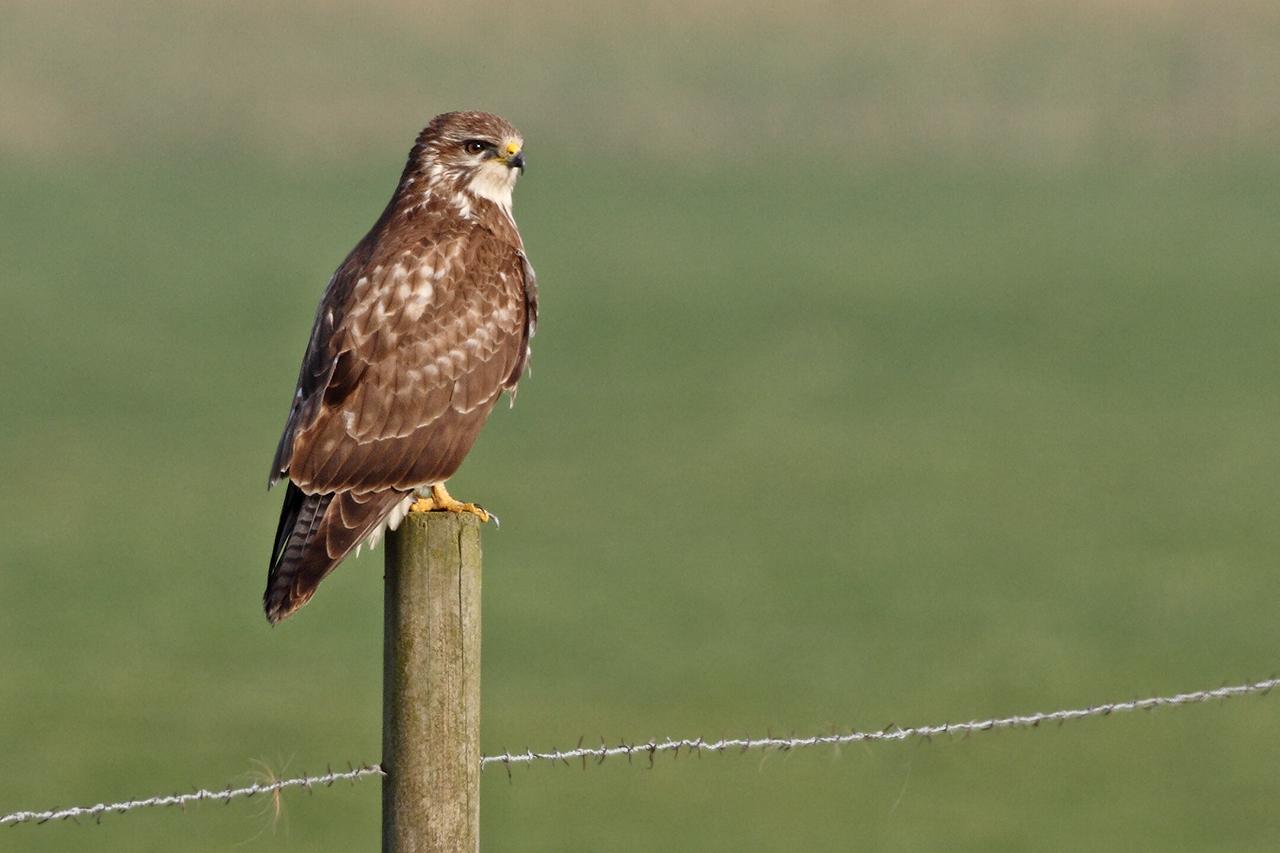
column 431, row 686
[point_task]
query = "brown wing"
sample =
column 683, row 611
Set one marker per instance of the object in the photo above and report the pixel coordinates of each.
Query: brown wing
column 409, row 351
column 430, row 337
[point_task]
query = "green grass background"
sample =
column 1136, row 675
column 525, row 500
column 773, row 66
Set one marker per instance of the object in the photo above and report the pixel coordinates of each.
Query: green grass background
column 899, row 363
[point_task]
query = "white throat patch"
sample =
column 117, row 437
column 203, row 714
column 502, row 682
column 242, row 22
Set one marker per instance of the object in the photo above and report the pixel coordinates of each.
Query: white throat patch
column 494, row 181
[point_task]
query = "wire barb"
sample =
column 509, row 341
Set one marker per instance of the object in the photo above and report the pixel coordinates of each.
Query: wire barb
column 891, row 733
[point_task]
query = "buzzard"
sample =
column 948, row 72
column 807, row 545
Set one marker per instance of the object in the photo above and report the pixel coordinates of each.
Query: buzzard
column 420, row 330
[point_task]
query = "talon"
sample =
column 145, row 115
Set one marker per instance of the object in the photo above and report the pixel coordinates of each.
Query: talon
column 442, row 501
column 471, row 508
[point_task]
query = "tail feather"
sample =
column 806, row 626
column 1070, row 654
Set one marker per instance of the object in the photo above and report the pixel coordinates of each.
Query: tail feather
column 315, row 533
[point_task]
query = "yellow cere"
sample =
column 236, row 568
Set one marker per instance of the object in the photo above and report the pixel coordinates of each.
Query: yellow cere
column 513, row 147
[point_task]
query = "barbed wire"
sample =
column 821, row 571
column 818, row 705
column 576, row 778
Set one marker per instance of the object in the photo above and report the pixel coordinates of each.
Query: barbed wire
column 889, row 733
column 199, row 795
column 650, row 749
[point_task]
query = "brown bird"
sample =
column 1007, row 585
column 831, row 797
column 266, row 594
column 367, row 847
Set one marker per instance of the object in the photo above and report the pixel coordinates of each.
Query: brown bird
column 420, row 330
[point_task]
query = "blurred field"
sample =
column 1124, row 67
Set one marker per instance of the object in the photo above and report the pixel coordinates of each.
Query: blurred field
column 899, row 362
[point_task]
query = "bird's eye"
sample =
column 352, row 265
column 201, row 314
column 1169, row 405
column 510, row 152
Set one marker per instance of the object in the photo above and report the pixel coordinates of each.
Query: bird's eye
column 475, row 146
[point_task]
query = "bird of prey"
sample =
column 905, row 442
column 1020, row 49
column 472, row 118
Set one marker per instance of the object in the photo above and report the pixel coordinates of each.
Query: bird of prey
column 420, row 330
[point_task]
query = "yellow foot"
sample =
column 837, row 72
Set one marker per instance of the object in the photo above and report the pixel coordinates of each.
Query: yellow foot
column 441, row 501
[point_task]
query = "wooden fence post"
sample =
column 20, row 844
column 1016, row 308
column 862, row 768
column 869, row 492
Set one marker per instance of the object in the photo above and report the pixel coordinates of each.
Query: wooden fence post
column 431, row 686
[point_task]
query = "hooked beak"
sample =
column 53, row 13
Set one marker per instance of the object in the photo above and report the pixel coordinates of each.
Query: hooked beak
column 515, row 156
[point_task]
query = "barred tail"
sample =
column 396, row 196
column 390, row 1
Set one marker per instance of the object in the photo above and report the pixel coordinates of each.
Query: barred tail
column 315, row 533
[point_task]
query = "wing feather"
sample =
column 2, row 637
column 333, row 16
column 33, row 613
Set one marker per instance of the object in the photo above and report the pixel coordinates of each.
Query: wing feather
column 392, row 382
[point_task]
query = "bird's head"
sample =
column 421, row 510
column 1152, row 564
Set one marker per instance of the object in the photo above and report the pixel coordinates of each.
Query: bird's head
column 472, row 152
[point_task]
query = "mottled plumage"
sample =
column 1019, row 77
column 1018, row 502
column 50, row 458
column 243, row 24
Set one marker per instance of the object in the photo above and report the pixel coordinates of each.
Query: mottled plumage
column 420, row 330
